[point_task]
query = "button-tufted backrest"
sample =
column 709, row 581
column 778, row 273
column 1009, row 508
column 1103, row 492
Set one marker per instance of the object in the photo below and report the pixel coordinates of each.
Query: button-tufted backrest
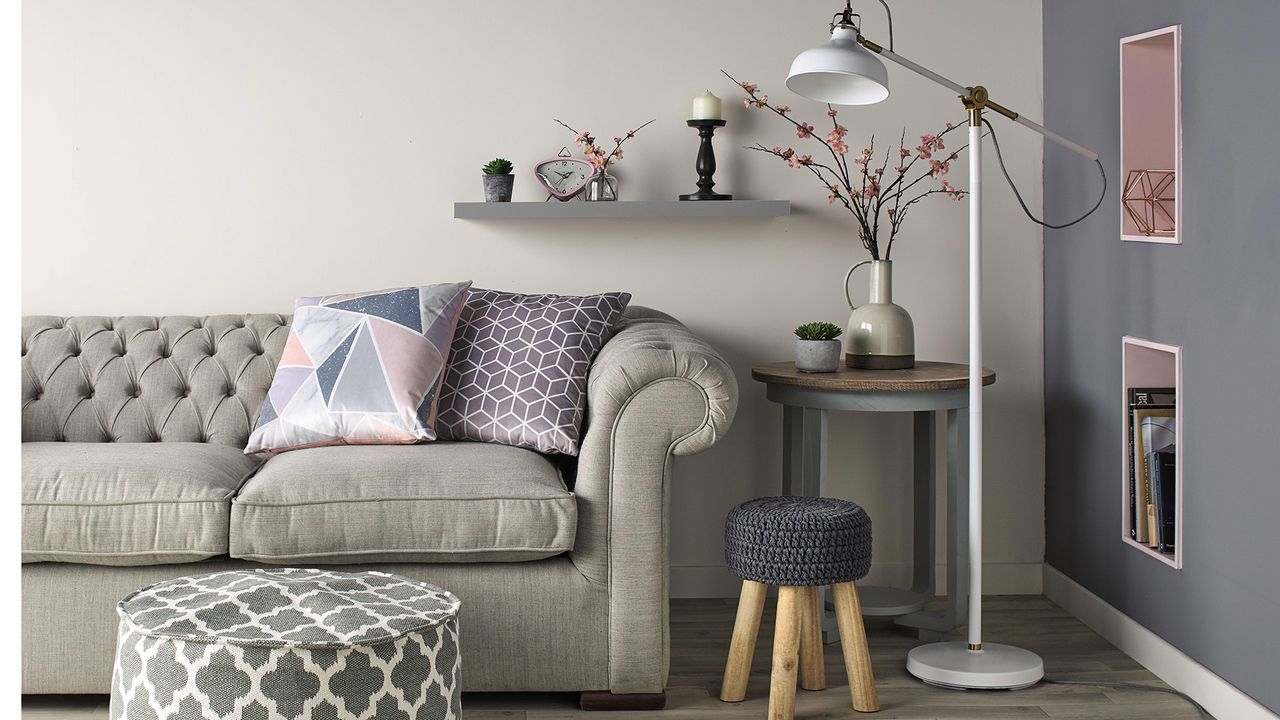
column 147, row 379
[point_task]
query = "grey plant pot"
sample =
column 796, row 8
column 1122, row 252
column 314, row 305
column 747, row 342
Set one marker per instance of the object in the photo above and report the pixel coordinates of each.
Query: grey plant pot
column 818, row 355
column 497, row 188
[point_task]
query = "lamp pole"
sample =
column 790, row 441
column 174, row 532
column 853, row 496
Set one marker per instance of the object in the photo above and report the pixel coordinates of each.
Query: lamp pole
column 975, row 665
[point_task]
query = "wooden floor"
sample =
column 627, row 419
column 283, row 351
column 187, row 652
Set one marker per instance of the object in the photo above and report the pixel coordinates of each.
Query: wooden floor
column 699, row 640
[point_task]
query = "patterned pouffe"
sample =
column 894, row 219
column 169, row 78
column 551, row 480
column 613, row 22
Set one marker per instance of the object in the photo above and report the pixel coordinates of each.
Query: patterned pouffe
column 282, row 643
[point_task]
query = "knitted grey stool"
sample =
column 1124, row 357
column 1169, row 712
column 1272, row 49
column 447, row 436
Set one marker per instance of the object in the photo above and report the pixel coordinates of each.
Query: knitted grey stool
column 798, row 544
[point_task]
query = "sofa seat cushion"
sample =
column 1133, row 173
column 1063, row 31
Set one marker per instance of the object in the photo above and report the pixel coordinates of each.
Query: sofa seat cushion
column 437, row 502
column 128, row 503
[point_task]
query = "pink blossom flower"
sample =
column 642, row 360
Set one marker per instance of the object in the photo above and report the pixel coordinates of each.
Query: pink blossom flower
column 798, row 161
column 949, row 126
column 903, row 152
column 749, row 87
column 835, row 193
column 864, row 158
column 617, row 155
column 923, row 151
column 582, row 137
column 804, row 130
column 832, row 112
column 939, row 168
column 900, row 169
column 786, row 154
column 617, row 139
column 782, row 109
column 893, row 211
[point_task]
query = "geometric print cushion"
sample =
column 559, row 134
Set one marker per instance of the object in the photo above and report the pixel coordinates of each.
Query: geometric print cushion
column 360, row 368
column 286, row 643
column 517, row 373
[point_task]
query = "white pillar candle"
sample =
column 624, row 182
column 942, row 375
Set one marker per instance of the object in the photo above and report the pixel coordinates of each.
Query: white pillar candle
column 706, row 107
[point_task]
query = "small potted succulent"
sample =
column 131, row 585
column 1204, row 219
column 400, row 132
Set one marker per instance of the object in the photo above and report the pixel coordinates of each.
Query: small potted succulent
column 817, row 347
column 498, row 180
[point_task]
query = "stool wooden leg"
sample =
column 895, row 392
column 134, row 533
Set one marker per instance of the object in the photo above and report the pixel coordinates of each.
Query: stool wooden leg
column 786, row 651
column 813, row 671
column 743, row 646
column 853, row 638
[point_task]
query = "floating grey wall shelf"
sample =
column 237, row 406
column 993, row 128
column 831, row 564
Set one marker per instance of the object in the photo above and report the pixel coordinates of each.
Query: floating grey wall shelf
column 622, row 209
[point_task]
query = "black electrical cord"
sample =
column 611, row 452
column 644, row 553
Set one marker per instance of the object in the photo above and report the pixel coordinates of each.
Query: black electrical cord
column 1000, row 157
column 1133, row 686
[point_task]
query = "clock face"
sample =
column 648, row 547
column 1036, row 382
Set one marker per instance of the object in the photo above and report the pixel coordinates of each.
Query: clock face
column 564, row 177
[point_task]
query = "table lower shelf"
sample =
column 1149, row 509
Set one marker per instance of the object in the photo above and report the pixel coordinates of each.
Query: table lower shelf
column 889, row 602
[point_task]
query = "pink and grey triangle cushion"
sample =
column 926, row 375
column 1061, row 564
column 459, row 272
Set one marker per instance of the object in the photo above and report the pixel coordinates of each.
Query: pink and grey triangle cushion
column 517, row 374
column 361, row 368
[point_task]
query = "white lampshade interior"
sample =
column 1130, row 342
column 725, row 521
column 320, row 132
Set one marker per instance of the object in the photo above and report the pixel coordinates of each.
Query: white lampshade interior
column 840, row 72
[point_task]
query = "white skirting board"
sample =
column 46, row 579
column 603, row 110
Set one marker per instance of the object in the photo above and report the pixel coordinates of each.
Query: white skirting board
column 713, row 581
column 1170, row 664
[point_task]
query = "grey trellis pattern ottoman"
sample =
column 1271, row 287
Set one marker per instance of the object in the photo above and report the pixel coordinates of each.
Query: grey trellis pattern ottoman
column 283, row 643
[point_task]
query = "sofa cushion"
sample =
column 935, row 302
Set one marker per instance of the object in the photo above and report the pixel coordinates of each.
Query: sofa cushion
column 128, row 503
column 437, row 502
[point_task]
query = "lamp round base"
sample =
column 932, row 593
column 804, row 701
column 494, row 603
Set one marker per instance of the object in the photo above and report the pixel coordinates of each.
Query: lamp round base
column 994, row 667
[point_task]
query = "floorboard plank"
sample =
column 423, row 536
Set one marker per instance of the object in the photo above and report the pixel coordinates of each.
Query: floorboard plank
column 700, row 631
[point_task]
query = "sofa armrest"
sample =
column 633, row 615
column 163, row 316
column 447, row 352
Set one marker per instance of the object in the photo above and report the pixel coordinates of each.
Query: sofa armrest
column 650, row 347
column 656, row 389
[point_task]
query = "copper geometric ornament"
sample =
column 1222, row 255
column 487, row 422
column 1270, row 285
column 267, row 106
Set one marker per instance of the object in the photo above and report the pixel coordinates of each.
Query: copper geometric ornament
column 1149, row 201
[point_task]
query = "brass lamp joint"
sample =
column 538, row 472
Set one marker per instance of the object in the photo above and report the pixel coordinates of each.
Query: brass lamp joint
column 974, row 102
column 873, row 47
column 975, row 646
column 844, row 18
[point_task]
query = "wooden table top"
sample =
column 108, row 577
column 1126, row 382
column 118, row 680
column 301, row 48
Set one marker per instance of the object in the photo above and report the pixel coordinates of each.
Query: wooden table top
column 925, row 376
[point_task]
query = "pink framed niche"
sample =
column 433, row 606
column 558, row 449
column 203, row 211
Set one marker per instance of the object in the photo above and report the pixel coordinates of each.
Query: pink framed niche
column 1147, row 364
column 1151, row 136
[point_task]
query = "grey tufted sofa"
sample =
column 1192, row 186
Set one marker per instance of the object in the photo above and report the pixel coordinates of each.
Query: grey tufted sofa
column 133, row 473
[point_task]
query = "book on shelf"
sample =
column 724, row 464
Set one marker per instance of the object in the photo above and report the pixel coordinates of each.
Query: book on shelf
column 1139, row 490
column 1163, row 466
column 1153, row 427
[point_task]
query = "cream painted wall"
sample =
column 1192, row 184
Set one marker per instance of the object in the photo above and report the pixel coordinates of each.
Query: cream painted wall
column 200, row 157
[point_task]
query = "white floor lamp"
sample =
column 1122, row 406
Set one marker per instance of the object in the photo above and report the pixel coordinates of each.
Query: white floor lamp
column 845, row 71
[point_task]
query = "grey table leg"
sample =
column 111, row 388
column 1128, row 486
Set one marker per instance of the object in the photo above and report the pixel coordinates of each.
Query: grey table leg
column 804, row 451
column 933, row 626
column 804, row 472
column 924, row 524
column 896, row 602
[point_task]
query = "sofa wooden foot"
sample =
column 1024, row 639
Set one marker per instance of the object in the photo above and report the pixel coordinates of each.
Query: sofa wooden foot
column 604, row 700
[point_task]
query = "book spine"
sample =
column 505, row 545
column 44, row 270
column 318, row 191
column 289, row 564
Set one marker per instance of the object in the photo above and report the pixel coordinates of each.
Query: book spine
column 1133, row 478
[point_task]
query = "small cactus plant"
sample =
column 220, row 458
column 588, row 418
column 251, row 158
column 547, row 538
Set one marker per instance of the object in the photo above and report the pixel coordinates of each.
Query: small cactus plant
column 818, row 331
column 498, row 166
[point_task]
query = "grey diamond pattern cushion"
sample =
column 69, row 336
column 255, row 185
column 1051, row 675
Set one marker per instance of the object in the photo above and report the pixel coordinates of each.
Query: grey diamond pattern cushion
column 517, row 371
column 285, row 643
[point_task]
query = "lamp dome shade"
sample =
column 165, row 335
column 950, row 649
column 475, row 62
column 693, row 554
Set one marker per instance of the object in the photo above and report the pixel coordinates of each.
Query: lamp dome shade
column 840, row 72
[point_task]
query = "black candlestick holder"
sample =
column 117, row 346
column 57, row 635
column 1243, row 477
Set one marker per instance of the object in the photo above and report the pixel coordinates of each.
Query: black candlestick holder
column 706, row 164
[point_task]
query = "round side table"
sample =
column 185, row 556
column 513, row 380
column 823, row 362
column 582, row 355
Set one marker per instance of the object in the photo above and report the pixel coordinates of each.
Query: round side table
column 924, row 391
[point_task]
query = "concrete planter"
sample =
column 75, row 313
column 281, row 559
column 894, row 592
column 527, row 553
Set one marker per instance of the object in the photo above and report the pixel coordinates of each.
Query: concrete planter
column 497, row 188
column 817, row 355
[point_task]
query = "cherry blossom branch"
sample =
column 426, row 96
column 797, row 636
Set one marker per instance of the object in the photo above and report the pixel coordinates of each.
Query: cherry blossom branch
column 595, row 156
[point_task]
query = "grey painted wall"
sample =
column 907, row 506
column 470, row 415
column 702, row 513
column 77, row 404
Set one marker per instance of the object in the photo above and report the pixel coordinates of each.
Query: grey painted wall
column 1217, row 295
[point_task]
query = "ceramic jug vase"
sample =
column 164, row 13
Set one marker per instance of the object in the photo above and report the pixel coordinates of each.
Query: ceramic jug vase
column 880, row 335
